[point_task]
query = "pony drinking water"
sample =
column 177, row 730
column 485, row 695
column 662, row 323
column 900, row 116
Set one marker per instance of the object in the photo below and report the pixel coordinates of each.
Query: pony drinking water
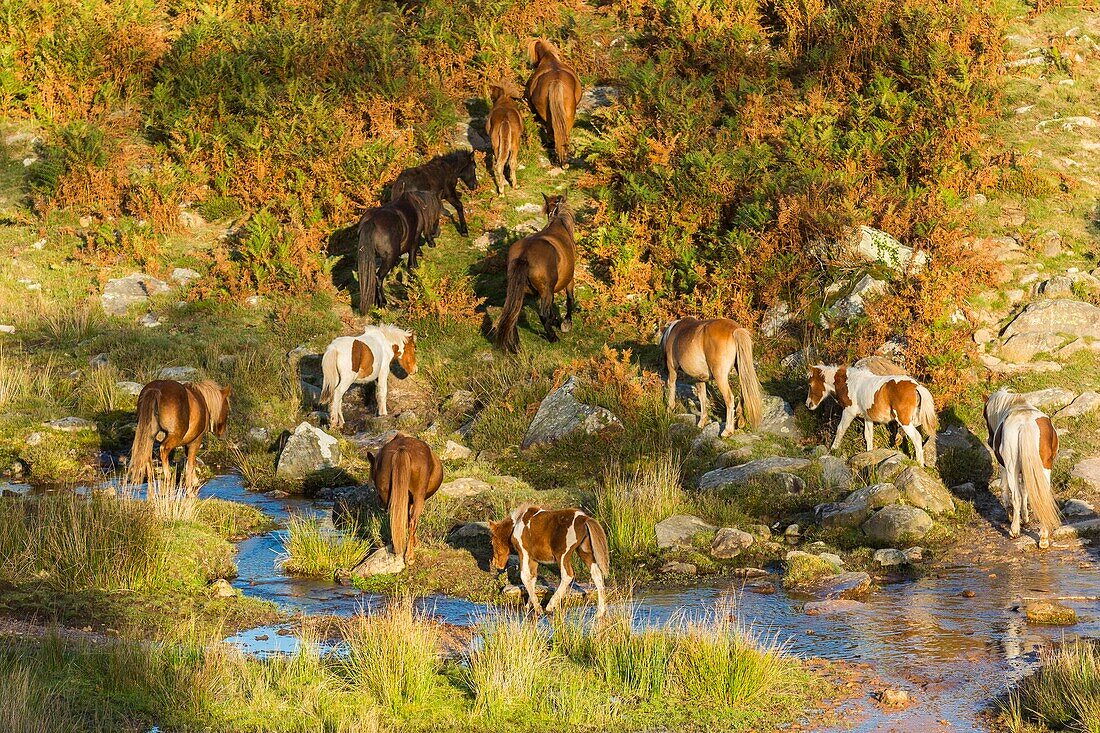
column 877, row 399
column 705, row 350
column 554, row 90
column 177, row 415
column 1025, row 443
column 540, row 535
column 406, row 473
column 361, row 359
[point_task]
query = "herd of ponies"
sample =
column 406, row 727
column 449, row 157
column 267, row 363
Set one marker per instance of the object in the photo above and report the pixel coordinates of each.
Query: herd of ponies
column 406, row 472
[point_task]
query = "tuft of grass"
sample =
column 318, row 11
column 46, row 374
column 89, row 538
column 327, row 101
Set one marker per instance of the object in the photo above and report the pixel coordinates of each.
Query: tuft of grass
column 315, row 551
column 511, row 668
column 630, row 504
column 1064, row 694
column 803, row 569
column 635, row 662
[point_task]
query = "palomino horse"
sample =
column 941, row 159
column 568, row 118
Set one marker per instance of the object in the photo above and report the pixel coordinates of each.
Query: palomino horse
column 877, row 399
column 542, row 263
column 389, row 231
column 1025, row 443
column 177, row 415
column 554, row 90
column 552, row 536
column 405, row 473
column 709, row 349
column 505, row 128
column 441, row 175
column 362, row 359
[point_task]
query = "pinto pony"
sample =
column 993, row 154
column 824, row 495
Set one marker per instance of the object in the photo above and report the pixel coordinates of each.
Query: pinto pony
column 1025, row 443
column 709, row 349
column 505, row 129
column 440, row 176
column 542, row 263
column 389, row 231
column 177, row 415
column 362, row 359
column 406, row 473
column 876, row 399
column 541, row 535
column 554, row 90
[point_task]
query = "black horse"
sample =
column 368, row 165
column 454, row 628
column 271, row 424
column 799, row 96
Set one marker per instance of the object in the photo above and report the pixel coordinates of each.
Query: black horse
column 441, row 175
column 390, row 231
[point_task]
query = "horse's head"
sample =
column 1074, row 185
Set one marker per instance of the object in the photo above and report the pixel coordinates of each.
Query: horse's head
column 501, row 533
column 223, row 414
column 538, row 47
column 555, row 206
column 405, row 354
column 821, row 385
column 467, row 168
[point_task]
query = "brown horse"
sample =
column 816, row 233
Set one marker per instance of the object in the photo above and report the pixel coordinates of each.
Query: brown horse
column 505, row 128
column 554, row 90
column 441, row 175
column 405, row 472
column 177, row 415
column 543, row 264
column 552, row 536
column 389, row 231
column 709, row 349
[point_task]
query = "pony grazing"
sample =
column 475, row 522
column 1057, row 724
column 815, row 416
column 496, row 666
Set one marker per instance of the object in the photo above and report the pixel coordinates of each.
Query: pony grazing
column 554, row 90
column 406, row 473
column 177, row 415
column 542, row 263
column 505, row 129
column 440, row 176
column 541, row 535
column 1025, row 443
column 705, row 350
column 361, row 359
column 389, row 231
column 877, row 399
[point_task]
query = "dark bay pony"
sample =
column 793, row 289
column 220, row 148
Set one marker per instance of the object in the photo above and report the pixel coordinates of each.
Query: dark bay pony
column 405, row 473
column 441, row 175
column 505, row 127
column 540, row 535
column 389, row 231
column 177, row 415
column 554, row 90
column 543, row 264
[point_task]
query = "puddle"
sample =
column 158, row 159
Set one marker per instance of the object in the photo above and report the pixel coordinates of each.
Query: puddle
column 953, row 654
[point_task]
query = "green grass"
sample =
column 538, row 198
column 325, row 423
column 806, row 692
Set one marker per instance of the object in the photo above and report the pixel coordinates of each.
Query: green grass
column 317, row 552
column 1063, row 694
column 804, row 569
column 630, row 504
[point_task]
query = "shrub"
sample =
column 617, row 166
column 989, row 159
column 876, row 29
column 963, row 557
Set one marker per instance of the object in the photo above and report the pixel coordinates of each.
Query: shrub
column 1064, row 694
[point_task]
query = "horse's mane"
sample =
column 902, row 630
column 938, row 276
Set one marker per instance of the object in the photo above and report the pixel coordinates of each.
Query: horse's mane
column 1002, row 402
column 532, row 49
column 519, row 510
column 393, row 334
column 211, row 393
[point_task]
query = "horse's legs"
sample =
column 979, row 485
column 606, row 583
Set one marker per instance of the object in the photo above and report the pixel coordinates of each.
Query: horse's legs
column 388, row 262
column 382, row 390
column 918, row 444
column 192, row 454
column 722, row 379
column 869, row 433
column 546, row 313
column 597, row 580
column 1011, row 475
column 513, row 162
column 455, row 201
column 1044, row 533
column 498, row 172
column 570, row 301
column 701, row 395
column 846, row 418
column 414, row 519
column 670, row 382
column 528, row 571
column 565, row 567
column 336, row 408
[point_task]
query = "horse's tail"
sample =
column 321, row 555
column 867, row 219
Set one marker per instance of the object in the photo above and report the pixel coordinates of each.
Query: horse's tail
column 400, row 479
column 557, row 120
column 507, row 326
column 331, row 373
column 926, row 416
column 751, row 398
column 599, row 545
column 1039, row 493
column 368, row 278
column 141, row 453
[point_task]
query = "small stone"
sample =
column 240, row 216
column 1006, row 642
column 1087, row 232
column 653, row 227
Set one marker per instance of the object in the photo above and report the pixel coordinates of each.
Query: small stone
column 258, row 435
column 1078, row 508
column 729, row 543
column 33, row 439
column 763, row 587
column 464, row 488
column 680, row 529
column 792, row 534
column 1049, row 613
column 914, row 554
column 891, row 698
column 678, row 568
column 898, row 523
column 179, row 373
column 1088, row 471
column 750, row 573
column 221, row 588
column 381, row 562
column 461, row 401
column 453, row 451
column 832, row 606
column 471, row 530
column 5, row 328
column 99, row 361
column 72, row 424
column 889, row 558
column 150, row 320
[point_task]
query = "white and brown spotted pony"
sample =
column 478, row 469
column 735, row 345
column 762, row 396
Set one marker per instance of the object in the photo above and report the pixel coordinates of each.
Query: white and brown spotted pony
column 361, row 359
column 704, row 350
column 540, row 535
column 878, row 399
column 1025, row 443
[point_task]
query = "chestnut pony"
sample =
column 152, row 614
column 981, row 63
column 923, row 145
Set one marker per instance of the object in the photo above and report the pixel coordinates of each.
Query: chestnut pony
column 405, row 473
column 554, row 90
column 177, row 415
column 505, row 129
column 1024, row 442
column 709, row 349
column 542, row 263
column 552, row 536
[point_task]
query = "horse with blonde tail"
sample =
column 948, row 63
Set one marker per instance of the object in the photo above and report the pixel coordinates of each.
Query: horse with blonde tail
column 710, row 349
column 540, row 535
column 878, row 399
column 406, row 473
column 1023, row 440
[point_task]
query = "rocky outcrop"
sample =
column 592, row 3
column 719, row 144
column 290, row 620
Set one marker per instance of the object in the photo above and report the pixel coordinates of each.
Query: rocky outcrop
column 897, row 524
column 729, row 543
column 736, row 475
column 453, row 451
column 857, row 507
column 873, row 245
column 1086, row 403
column 883, row 464
column 121, row 293
column 778, row 418
column 71, row 425
column 1088, row 471
column 561, row 414
column 380, row 562
column 923, row 491
column 463, row 488
column 680, row 529
column 307, row 450
column 1060, row 315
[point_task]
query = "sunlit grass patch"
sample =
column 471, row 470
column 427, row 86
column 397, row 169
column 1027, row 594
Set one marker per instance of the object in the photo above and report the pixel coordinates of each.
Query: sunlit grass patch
column 1063, row 694
column 317, row 551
